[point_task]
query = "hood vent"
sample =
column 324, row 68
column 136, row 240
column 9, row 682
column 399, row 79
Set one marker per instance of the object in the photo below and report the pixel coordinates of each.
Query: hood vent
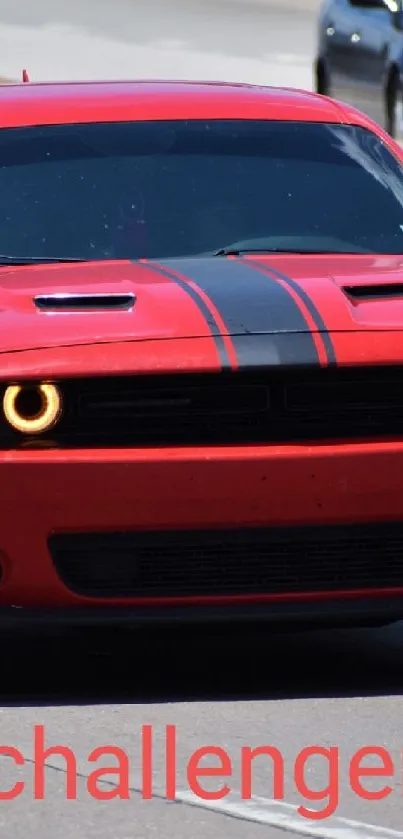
column 84, row 302
column 381, row 291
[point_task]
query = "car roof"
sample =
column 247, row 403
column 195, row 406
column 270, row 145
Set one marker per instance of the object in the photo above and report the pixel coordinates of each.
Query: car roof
column 41, row 103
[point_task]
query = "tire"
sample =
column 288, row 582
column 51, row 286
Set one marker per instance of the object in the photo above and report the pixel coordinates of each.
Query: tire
column 322, row 82
column 394, row 107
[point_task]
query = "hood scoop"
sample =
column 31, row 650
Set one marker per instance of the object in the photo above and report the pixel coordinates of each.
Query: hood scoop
column 84, row 302
column 380, row 291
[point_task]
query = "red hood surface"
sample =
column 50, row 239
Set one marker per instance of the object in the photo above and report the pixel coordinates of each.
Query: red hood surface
column 190, row 298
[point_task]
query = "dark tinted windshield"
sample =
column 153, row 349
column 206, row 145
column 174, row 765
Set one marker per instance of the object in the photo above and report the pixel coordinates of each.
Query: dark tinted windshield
column 160, row 189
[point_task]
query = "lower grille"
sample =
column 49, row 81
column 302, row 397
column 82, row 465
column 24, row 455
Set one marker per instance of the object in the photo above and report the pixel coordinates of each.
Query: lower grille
column 231, row 562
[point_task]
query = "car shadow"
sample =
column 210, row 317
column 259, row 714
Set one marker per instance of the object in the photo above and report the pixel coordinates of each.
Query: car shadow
column 190, row 665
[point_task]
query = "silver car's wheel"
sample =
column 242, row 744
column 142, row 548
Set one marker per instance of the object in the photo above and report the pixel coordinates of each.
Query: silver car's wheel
column 321, row 78
column 394, row 108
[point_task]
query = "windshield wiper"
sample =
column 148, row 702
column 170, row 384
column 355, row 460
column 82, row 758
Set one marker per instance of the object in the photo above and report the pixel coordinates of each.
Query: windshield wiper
column 305, row 244
column 240, row 251
column 6, row 259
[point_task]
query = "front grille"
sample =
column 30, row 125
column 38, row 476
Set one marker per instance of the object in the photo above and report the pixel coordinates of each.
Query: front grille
column 237, row 408
column 231, row 562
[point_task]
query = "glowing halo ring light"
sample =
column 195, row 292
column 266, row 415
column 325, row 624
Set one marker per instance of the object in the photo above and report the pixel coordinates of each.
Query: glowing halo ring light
column 47, row 416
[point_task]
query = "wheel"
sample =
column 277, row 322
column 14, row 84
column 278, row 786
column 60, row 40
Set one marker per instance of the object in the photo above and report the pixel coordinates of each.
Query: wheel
column 322, row 81
column 394, row 107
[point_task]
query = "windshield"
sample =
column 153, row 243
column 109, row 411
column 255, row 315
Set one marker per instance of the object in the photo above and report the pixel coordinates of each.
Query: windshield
column 182, row 188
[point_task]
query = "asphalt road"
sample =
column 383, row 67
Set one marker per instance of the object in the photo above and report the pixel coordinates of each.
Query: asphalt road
column 340, row 690
column 262, row 41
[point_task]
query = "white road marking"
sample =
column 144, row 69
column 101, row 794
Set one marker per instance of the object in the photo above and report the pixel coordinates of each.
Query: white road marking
column 266, row 811
column 279, row 814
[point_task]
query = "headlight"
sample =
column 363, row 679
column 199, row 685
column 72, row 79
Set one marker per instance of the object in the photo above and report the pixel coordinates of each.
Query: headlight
column 32, row 409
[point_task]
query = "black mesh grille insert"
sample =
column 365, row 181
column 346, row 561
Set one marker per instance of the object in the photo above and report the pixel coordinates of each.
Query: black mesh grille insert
column 238, row 408
column 231, row 562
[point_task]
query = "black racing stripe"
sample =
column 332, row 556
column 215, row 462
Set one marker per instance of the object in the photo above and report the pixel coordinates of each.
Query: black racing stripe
column 200, row 303
column 313, row 311
column 281, row 349
column 251, row 303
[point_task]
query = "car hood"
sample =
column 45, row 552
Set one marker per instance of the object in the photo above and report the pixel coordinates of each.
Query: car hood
column 83, row 303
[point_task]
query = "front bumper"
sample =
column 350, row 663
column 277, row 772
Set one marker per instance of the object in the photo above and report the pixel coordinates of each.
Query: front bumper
column 50, row 492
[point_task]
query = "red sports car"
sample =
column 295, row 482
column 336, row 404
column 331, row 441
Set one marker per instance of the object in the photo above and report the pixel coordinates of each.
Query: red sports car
column 201, row 308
